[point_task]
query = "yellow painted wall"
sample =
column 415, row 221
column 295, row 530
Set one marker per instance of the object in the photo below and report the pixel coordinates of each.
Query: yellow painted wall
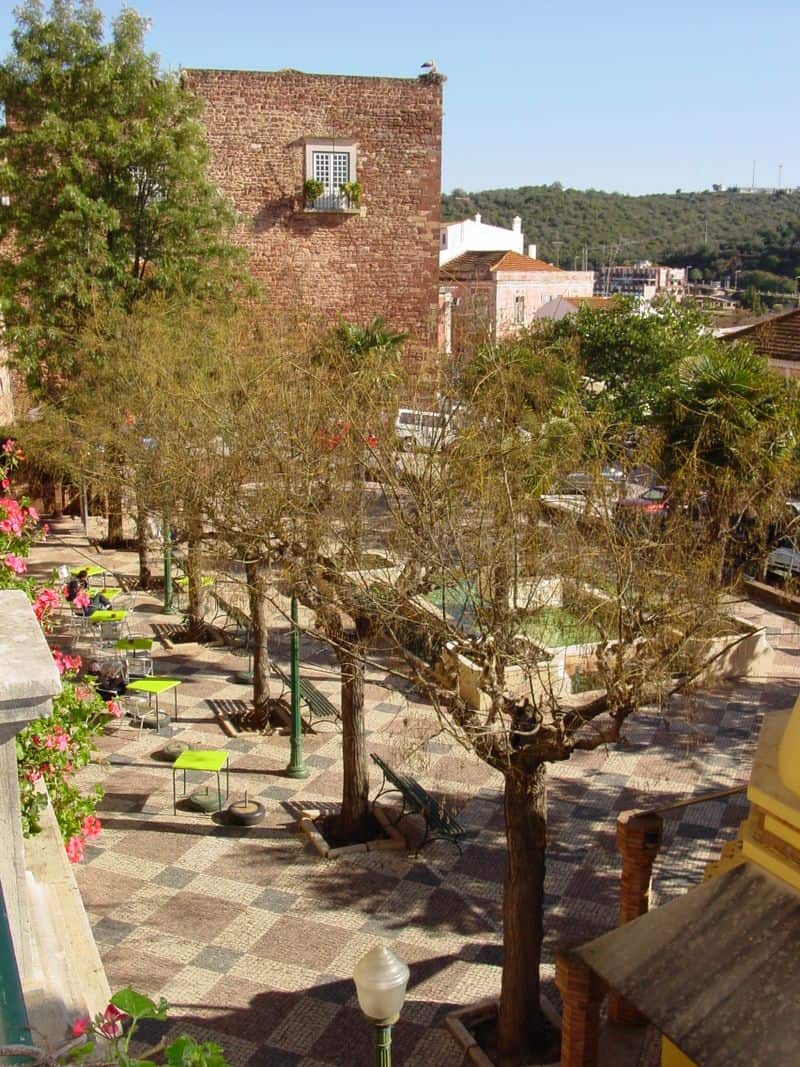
column 671, row 1055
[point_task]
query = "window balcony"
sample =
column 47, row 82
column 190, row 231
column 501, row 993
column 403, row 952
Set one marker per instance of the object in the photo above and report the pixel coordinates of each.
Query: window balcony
column 331, row 203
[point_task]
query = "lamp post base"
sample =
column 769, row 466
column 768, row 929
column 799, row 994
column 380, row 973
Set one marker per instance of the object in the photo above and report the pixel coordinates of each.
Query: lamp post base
column 296, row 770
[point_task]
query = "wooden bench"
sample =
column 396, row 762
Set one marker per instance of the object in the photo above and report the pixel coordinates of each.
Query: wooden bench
column 438, row 820
column 316, row 701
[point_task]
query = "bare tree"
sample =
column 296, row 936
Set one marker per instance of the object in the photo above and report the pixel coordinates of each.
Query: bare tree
column 481, row 538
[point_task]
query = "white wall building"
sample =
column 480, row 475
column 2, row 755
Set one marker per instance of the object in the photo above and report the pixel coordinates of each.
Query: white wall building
column 472, row 235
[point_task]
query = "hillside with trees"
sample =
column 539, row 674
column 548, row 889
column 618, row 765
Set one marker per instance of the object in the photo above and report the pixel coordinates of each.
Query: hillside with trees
column 715, row 232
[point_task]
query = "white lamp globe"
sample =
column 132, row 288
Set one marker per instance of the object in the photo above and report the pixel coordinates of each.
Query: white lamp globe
column 381, row 979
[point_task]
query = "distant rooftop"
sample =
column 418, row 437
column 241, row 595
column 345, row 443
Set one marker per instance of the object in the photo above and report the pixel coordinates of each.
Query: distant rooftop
column 473, row 266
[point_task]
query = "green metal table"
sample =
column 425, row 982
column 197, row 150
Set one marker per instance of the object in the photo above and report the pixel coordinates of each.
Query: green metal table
column 110, row 618
column 92, row 571
column 154, row 686
column 209, row 761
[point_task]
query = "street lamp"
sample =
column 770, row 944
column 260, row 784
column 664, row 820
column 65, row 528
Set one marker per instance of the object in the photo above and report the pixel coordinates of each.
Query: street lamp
column 297, row 767
column 381, row 979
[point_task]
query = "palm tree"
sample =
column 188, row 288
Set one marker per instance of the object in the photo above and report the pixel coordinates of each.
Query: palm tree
column 730, row 433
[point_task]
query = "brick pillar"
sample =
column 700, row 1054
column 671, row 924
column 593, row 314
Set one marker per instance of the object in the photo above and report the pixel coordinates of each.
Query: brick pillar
column 582, row 994
column 639, row 835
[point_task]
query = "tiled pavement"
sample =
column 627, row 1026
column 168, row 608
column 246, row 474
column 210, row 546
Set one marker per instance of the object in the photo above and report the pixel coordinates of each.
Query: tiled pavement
column 252, row 937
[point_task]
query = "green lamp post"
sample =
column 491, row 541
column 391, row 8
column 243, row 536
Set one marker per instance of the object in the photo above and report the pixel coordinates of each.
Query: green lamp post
column 167, row 568
column 381, row 979
column 297, row 767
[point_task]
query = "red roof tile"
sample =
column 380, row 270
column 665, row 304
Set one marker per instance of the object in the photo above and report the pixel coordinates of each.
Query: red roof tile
column 474, row 266
column 776, row 336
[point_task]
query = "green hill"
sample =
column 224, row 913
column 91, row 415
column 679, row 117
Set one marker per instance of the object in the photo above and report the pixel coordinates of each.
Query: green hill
column 716, row 232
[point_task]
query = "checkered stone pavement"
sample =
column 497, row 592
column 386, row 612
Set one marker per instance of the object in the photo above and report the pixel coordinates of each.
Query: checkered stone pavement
column 252, row 937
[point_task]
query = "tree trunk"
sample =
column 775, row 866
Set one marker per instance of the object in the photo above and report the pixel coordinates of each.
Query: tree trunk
column 195, row 622
column 520, row 1022
column 143, row 546
column 354, row 819
column 257, row 571
column 115, row 531
column 52, row 496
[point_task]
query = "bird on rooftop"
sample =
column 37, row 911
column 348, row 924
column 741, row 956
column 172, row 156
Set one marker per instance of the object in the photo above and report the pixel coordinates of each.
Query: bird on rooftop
column 429, row 67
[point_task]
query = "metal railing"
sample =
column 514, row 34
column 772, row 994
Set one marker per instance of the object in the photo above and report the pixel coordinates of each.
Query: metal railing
column 14, row 1025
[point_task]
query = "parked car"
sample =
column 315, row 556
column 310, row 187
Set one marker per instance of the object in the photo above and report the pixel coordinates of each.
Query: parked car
column 654, row 502
column 582, row 482
column 783, row 562
column 657, row 502
column 423, row 429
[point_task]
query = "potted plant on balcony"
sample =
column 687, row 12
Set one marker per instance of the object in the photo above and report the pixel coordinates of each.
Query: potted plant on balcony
column 313, row 189
column 352, row 192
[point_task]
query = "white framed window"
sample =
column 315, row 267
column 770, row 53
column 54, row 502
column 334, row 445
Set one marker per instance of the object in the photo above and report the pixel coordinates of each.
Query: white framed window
column 519, row 309
column 333, row 163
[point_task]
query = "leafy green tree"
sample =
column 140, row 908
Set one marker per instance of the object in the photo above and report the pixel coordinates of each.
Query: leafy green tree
column 730, row 428
column 103, row 165
column 635, row 354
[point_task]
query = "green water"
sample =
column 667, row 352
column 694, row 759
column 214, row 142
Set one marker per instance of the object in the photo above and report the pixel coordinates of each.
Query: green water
column 549, row 626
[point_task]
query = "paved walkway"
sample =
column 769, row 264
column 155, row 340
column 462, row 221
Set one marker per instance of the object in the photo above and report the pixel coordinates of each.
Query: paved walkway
column 252, row 937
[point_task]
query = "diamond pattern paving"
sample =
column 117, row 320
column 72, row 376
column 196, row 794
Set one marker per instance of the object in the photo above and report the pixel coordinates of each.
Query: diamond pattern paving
column 253, row 937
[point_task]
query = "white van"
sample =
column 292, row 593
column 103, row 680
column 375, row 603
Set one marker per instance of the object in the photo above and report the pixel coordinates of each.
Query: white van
column 423, row 429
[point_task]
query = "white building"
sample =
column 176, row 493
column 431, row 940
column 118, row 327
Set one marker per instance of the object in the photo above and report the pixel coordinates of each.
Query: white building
column 472, row 235
column 642, row 280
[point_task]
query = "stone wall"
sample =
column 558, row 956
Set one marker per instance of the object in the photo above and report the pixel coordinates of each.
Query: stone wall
column 379, row 260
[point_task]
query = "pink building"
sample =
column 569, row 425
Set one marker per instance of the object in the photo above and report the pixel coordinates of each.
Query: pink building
column 492, row 294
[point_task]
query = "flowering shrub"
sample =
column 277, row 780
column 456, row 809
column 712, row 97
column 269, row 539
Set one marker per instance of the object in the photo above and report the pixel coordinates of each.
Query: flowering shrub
column 127, row 1008
column 53, row 749
column 44, row 603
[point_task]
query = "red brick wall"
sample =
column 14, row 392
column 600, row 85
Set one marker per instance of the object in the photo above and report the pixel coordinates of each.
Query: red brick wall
column 384, row 261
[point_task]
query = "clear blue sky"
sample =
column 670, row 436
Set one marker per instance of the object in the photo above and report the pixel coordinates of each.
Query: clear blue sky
column 614, row 95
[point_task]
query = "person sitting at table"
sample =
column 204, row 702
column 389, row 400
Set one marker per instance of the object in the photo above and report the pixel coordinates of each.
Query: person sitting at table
column 76, row 594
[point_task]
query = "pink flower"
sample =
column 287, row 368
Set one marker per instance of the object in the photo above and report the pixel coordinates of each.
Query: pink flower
column 14, row 518
column 14, row 563
column 91, row 827
column 45, row 601
column 81, row 599
column 33, row 776
column 5, row 483
column 74, row 849
column 83, row 692
column 65, row 663
column 33, row 514
column 114, row 710
column 57, row 740
column 81, row 1026
column 8, row 445
column 111, row 1026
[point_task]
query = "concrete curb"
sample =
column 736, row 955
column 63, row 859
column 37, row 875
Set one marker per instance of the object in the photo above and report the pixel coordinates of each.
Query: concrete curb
column 394, row 841
column 460, row 1022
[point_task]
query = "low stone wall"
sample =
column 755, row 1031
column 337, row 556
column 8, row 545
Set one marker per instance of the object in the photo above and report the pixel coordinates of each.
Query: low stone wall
column 550, row 678
column 68, row 978
column 57, row 959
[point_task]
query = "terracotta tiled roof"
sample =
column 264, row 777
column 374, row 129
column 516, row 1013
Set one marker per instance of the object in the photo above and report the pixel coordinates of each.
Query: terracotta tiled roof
column 473, row 266
column 776, row 336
